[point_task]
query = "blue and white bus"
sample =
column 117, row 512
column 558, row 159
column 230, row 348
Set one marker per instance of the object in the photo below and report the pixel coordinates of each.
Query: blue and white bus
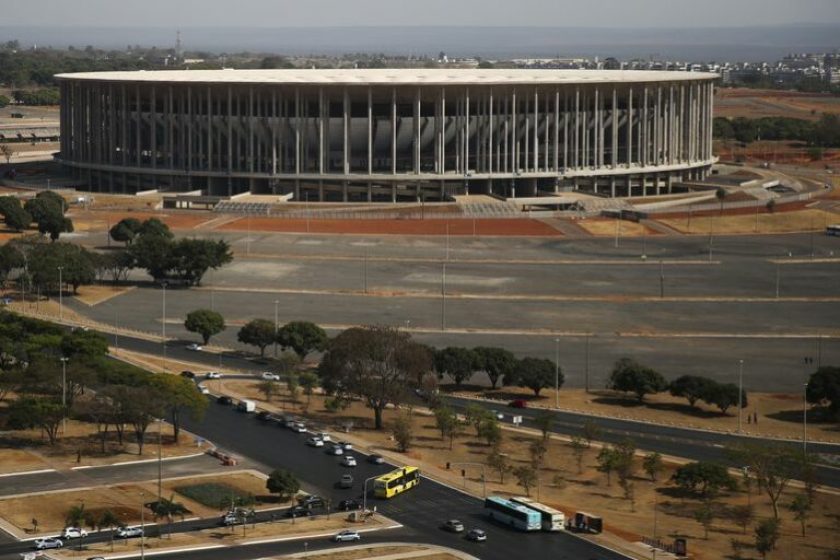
column 512, row 514
column 552, row 519
column 833, row 229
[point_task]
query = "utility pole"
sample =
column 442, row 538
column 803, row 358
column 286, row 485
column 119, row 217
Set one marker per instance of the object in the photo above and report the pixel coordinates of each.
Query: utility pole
column 163, row 325
column 60, row 295
column 276, row 324
column 443, row 299
column 661, row 279
column 556, row 373
column 740, row 394
column 160, row 459
column 587, row 363
column 64, row 394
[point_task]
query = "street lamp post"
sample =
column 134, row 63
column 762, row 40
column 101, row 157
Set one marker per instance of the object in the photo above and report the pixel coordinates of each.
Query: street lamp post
column 64, row 394
column 556, row 373
column 805, row 420
column 740, row 394
column 276, row 324
column 142, row 527
column 587, row 364
column 60, row 295
column 443, row 299
column 163, row 325
column 364, row 494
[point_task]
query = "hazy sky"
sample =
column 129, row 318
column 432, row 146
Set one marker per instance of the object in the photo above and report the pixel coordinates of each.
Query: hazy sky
column 551, row 13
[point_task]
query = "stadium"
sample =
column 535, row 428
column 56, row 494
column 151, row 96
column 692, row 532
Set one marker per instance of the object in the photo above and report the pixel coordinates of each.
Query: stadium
column 388, row 134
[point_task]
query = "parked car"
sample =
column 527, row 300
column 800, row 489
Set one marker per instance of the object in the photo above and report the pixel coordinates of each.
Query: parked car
column 204, row 390
column 323, row 436
column 246, row 406
column 498, row 415
column 298, row 511
column 518, row 403
column 48, row 542
column 74, row 533
column 348, row 461
column 290, row 422
column 268, row 376
column 346, row 481
column 453, row 526
column 315, row 442
column 349, row 505
column 376, row 459
column 348, row 535
column 345, row 445
column 212, row 375
column 129, row 532
column 477, row 535
column 335, row 450
column 299, row 427
column 195, row 347
column 312, row 501
column 229, row 519
column 188, row 374
column 224, row 399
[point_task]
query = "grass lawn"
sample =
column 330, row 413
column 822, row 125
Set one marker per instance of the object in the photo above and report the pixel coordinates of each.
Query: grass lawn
column 215, row 494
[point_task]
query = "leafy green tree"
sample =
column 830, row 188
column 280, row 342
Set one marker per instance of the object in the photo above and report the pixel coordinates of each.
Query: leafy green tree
column 115, row 265
column 192, row 258
column 743, row 516
column 544, row 421
column 497, row 362
column 720, row 194
column 499, row 461
column 538, row 450
column 766, row 536
column 268, row 388
column 257, row 332
column 704, row 516
column 579, row 447
column 168, row 509
column 630, row 376
column 303, row 337
column 140, row 406
column 490, row 431
column 725, row 395
column 801, row 506
column 537, row 374
column 76, row 516
column 403, row 432
column 108, row 520
column 283, row 483
column 32, row 412
column 16, row 218
column 691, row 387
column 153, row 227
column 10, row 259
column 824, row 388
column 704, row 477
column 180, row 396
column 475, row 415
column 652, row 465
column 591, row 432
column 447, row 422
column 458, row 363
column 526, row 476
column 47, row 210
column 153, row 253
column 76, row 262
column 205, row 322
column 608, row 460
column 309, row 381
column 125, row 230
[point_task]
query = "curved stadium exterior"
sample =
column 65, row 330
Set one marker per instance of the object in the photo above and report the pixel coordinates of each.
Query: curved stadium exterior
column 387, row 135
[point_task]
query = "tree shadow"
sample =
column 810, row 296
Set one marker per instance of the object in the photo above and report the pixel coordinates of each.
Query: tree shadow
column 681, row 408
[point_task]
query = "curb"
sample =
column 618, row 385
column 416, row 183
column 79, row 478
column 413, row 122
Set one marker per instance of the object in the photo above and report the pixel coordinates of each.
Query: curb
column 25, row 473
column 139, row 462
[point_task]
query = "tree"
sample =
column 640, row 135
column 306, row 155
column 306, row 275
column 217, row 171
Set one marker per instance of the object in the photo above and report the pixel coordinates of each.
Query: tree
column 205, row 322
column 153, row 227
column 115, row 264
column 537, row 451
column 743, row 515
column 257, row 332
column 16, row 218
column 293, row 384
column 10, row 259
column 7, row 151
column 499, row 461
column 725, row 395
column 268, row 388
column 153, row 253
column 773, row 466
column 140, row 406
column 490, row 431
column 536, row 374
column 458, row 363
column 309, row 381
column 652, row 464
column 48, row 213
column 591, row 432
column 31, row 412
column 169, row 509
column 447, row 423
column 824, row 388
column 190, row 259
column 766, row 536
column 720, row 194
column 303, row 337
column 625, row 453
column 497, row 362
column 704, row 477
column 77, row 516
column 629, row 376
column 544, row 421
column 526, row 476
column 704, row 516
column 692, row 387
column 125, row 230
column 578, row 449
column 108, row 520
column 283, row 483
column 76, row 262
column 403, row 432
column 801, row 506
column 607, row 462
column 373, row 363
column 475, row 415
column 179, row 396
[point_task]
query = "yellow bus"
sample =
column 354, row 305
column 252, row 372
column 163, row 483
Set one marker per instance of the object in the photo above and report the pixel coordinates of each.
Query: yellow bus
column 396, row 482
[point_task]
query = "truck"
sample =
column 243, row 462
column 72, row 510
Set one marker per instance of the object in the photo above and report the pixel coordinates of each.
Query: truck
column 246, row 406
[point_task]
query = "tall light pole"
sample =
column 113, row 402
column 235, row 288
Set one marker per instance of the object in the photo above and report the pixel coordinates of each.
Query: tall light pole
column 443, row 299
column 60, row 295
column 740, row 394
column 163, row 325
column 556, row 373
column 587, row 364
column 160, row 458
column 64, row 394
column 364, row 494
column 276, row 324
column 142, row 526
column 805, row 419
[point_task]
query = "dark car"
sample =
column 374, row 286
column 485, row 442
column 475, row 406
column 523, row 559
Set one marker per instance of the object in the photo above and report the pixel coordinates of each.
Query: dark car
column 264, row 415
column 224, row 399
column 298, row 511
column 349, row 505
column 376, row 459
column 453, row 526
column 188, row 374
column 518, row 403
column 310, row 502
column 477, row 535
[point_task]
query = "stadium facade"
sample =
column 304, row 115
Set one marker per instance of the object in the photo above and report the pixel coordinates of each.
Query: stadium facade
column 387, row 135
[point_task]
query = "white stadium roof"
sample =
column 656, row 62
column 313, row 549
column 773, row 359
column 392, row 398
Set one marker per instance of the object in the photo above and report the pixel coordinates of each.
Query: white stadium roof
column 408, row 76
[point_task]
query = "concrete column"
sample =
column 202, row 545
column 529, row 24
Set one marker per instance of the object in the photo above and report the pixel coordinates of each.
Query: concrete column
column 416, row 150
column 297, row 132
column 514, row 164
column 492, row 151
column 393, row 131
column 369, row 134
column 229, row 119
column 443, row 131
column 346, row 136
column 614, row 129
column 556, row 131
column 576, row 142
column 566, row 164
column 466, row 166
column 536, row 162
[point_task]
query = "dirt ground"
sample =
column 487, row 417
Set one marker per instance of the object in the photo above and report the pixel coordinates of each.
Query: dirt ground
column 19, row 460
column 756, row 103
column 606, row 227
column 99, row 293
column 761, row 222
column 86, row 220
column 504, row 227
column 366, row 552
column 51, row 508
column 564, row 487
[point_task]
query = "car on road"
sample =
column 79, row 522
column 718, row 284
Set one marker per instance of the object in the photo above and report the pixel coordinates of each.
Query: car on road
column 129, row 532
column 290, row 422
column 299, row 427
column 335, row 449
column 453, row 526
column 315, row 442
column 497, row 415
column 263, row 416
column 375, row 459
column 96, row 558
column 48, row 542
column 346, row 481
column 188, row 374
column 349, row 505
column 229, row 519
column 195, row 347
column 476, row 535
column 348, row 535
column 345, row 445
column 518, row 403
column 224, row 399
column 268, row 376
column 298, row 511
column 212, row 375
column 312, row 501
column 74, row 533
column 323, row 436
column 349, row 461
column 204, row 390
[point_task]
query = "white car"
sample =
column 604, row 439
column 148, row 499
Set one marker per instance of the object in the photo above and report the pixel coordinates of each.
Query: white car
column 300, row 428
column 195, row 347
column 268, row 376
column 336, row 450
column 347, row 536
column 74, row 533
column 345, row 445
column 323, row 436
column 204, row 390
column 348, row 461
column 498, row 415
column 213, row 375
column 315, row 442
column 48, row 542
column 129, row 532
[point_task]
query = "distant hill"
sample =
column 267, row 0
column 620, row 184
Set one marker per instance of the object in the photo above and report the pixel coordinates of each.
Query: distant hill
column 731, row 43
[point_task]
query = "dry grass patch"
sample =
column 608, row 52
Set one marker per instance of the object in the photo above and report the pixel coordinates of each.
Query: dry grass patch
column 606, row 227
column 762, row 222
column 19, row 460
column 367, row 552
column 99, row 293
